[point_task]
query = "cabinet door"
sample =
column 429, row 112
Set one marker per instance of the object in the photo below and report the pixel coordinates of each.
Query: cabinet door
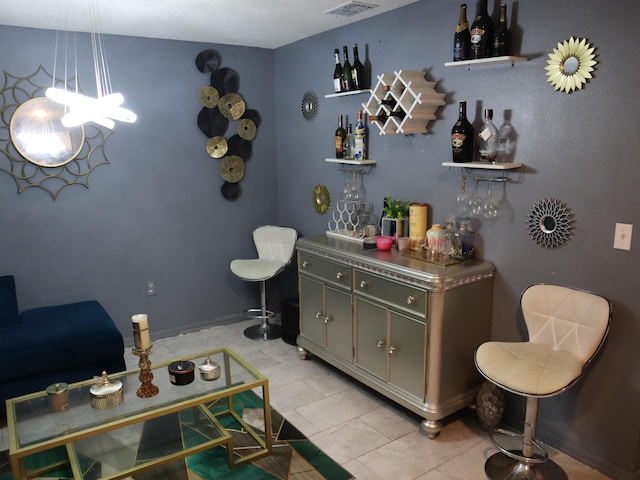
column 371, row 337
column 312, row 310
column 407, row 354
column 338, row 324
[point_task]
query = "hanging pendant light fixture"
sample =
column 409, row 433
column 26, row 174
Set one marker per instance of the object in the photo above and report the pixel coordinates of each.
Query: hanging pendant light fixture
column 80, row 109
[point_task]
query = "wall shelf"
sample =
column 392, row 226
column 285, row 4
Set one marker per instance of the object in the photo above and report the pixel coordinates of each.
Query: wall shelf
column 489, row 172
column 346, row 94
column 350, row 162
column 484, row 61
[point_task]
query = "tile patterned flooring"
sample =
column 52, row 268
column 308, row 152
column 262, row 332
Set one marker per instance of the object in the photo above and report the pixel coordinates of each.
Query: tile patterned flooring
column 368, row 435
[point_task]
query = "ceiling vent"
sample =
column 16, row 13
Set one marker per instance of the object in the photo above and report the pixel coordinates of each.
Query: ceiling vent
column 350, row 8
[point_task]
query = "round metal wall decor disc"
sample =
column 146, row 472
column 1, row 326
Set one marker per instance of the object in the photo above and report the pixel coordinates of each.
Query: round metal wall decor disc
column 232, row 106
column 211, row 122
column 207, row 61
column 247, row 129
column 230, row 191
column 225, row 80
column 232, row 169
column 209, row 97
column 217, row 147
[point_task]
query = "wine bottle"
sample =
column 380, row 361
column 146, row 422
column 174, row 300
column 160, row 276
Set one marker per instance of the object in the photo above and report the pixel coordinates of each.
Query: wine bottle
column 481, row 33
column 389, row 102
column 337, row 73
column 348, row 143
column 502, row 36
column 340, row 138
column 462, row 37
column 384, row 116
column 360, row 139
column 357, row 71
column 347, row 80
column 488, row 138
column 462, row 136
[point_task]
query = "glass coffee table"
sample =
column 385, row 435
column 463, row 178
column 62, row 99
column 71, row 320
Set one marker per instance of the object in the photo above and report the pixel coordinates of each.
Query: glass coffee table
column 142, row 434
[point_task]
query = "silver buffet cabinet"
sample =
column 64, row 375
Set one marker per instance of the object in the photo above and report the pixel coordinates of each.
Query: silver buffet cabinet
column 402, row 326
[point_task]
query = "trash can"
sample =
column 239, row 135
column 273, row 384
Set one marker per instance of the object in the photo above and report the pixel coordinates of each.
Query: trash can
column 290, row 320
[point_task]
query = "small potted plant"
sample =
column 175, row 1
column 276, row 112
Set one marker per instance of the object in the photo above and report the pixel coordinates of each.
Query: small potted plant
column 395, row 217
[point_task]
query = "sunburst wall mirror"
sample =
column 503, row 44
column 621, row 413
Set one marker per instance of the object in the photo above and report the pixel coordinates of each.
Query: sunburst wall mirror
column 570, row 65
column 550, row 223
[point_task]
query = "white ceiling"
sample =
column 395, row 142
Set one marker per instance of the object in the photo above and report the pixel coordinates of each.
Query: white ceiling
column 253, row 23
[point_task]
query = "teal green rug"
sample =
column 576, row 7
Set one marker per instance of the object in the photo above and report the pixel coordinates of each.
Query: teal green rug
column 294, row 457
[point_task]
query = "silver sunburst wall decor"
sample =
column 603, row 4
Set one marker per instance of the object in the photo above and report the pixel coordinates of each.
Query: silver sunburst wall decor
column 550, row 223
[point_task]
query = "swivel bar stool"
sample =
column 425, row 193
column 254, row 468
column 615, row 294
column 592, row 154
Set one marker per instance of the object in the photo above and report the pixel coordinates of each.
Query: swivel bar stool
column 566, row 329
column 275, row 246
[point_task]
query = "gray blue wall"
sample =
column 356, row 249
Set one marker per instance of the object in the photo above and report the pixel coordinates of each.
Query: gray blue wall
column 156, row 212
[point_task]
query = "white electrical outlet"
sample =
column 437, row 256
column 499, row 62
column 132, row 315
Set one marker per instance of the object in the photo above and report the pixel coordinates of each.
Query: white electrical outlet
column 151, row 289
column 622, row 239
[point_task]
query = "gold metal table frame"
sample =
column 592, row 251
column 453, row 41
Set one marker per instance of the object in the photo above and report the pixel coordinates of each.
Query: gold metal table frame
column 112, row 436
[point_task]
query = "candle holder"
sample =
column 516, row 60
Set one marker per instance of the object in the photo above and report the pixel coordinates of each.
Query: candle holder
column 147, row 389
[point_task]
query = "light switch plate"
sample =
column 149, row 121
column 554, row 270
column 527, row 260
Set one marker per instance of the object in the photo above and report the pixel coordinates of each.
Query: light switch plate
column 622, row 239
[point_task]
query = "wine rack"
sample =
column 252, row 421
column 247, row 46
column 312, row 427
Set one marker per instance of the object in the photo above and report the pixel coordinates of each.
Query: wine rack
column 406, row 100
column 350, row 219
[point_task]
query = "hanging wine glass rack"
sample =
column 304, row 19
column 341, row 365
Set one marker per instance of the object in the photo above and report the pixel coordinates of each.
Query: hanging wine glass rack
column 407, row 100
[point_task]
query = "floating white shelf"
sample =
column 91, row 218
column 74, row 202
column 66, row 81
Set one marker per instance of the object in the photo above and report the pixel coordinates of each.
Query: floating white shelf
column 350, row 162
column 469, row 63
column 483, row 165
column 346, row 94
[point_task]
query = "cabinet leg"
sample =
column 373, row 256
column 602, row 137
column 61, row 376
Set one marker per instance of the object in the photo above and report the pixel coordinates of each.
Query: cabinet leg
column 431, row 428
column 302, row 353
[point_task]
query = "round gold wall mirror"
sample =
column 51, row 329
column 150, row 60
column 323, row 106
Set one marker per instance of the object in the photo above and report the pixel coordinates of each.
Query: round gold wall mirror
column 321, row 199
column 38, row 134
column 570, row 65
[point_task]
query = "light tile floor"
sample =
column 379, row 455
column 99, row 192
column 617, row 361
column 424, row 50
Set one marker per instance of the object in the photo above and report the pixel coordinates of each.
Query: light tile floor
column 371, row 437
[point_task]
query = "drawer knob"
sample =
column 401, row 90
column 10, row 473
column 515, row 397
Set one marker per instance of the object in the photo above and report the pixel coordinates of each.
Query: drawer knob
column 319, row 314
column 305, row 264
column 411, row 300
column 392, row 349
column 380, row 343
column 327, row 319
column 339, row 275
column 364, row 284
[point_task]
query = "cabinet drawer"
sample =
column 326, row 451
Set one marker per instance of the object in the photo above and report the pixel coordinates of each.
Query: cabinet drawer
column 331, row 272
column 401, row 296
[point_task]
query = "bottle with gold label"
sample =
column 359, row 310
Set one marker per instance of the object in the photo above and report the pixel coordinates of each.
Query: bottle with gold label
column 462, row 37
column 340, row 136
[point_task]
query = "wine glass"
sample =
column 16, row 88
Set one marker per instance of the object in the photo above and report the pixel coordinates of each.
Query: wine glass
column 475, row 202
column 462, row 200
column 491, row 205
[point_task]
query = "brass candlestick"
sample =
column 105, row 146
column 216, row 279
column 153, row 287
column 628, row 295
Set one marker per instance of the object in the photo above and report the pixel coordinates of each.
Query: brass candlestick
column 147, row 389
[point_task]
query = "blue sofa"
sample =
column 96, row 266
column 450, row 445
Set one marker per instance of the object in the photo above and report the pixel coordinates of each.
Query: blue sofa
column 63, row 343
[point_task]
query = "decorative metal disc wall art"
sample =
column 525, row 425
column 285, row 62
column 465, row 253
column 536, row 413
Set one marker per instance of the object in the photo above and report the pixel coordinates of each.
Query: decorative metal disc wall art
column 222, row 105
column 550, row 223
column 36, row 150
column 309, row 106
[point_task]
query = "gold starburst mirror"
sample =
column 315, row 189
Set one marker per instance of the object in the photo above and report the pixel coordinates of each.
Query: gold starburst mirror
column 570, row 65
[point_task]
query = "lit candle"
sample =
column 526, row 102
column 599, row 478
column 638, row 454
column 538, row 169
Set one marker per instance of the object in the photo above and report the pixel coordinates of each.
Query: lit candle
column 141, row 339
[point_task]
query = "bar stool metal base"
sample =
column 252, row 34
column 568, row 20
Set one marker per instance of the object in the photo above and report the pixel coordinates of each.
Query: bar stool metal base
column 264, row 330
column 501, row 467
column 268, row 331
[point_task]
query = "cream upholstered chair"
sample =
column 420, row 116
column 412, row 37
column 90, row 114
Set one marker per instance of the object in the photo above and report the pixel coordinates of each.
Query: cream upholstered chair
column 566, row 328
column 275, row 246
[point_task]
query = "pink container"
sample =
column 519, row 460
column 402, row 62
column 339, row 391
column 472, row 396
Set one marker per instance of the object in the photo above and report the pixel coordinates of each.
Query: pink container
column 384, row 242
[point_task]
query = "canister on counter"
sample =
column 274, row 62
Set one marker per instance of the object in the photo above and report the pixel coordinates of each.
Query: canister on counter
column 59, row 396
column 417, row 225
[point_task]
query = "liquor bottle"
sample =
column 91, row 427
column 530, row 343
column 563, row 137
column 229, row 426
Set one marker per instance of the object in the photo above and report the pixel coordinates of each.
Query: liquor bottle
column 462, row 37
column 357, row 71
column 502, row 36
column 360, row 139
column 383, row 116
column 337, row 73
column 348, row 144
column 507, row 140
column 488, row 138
column 389, row 102
column 481, row 33
column 340, row 137
column 347, row 80
column 462, row 136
